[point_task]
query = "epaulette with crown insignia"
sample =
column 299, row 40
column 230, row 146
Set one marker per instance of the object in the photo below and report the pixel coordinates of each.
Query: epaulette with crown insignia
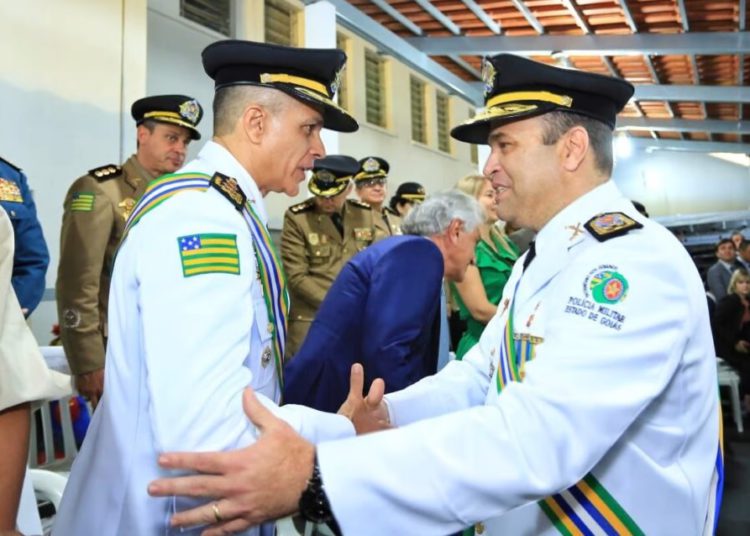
column 357, row 203
column 302, row 207
column 610, row 225
column 4, row 161
column 103, row 173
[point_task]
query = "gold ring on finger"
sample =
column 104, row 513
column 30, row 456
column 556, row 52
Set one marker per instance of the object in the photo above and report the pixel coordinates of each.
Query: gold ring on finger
column 217, row 514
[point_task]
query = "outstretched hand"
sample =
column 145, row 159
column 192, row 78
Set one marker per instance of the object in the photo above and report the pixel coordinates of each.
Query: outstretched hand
column 367, row 413
column 258, row 483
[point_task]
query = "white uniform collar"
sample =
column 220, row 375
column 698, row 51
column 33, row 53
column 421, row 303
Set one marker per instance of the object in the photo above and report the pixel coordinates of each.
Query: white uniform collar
column 564, row 231
column 218, row 158
column 566, row 227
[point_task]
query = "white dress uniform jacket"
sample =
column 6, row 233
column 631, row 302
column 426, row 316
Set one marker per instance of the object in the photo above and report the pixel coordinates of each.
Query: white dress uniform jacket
column 181, row 350
column 625, row 392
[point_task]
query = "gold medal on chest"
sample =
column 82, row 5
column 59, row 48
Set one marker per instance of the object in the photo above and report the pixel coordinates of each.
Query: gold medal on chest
column 313, row 239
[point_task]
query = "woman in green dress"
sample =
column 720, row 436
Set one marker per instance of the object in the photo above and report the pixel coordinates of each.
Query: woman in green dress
column 480, row 291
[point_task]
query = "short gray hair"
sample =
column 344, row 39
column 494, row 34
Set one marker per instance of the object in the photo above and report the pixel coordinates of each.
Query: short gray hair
column 230, row 103
column 600, row 135
column 434, row 215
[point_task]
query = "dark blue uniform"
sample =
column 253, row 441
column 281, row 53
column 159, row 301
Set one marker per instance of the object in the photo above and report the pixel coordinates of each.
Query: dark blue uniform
column 382, row 311
column 31, row 256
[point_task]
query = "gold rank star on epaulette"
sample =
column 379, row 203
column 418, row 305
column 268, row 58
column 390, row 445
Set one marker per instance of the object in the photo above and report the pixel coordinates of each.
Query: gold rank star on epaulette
column 302, row 207
column 357, row 203
column 610, row 225
column 102, row 173
column 229, row 188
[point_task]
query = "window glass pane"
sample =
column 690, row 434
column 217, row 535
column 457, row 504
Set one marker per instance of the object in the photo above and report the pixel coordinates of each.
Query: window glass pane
column 213, row 14
column 418, row 127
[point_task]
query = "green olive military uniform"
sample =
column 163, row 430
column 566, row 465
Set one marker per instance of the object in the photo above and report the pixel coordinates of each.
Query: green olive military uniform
column 387, row 220
column 96, row 208
column 315, row 246
column 95, row 211
column 387, row 223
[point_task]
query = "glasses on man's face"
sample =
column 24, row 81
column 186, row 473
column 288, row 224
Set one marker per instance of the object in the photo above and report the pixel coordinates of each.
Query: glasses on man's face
column 372, row 182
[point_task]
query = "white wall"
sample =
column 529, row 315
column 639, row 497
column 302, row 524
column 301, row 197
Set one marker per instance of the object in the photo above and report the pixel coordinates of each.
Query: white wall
column 671, row 183
column 174, row 60
column 67, row 68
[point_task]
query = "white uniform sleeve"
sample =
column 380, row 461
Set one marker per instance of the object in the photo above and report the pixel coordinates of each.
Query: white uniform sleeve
column 313, row 425
column 587, row 385
column 196, row 336
column 459, row 385
column 199, row 343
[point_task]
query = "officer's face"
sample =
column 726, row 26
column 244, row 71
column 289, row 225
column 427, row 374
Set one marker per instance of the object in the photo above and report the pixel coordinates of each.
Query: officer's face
column 404, row 207
column 372, row 191
column 525, row 173
column 162, row 150
column 290, row 143
column 460, row 247
column 331, row 205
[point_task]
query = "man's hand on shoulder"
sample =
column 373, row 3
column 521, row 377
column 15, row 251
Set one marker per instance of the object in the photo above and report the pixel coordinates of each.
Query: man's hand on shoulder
column 367, row 413
column 249, row 486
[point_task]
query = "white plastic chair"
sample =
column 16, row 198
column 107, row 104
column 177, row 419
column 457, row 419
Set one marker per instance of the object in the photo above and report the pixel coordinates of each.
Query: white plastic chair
column 55, row 358
column 44, row 411
column 729, row 378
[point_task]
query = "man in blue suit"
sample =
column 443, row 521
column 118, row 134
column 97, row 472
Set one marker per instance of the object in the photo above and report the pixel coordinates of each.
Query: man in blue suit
column 383, row 309
column 31, row 257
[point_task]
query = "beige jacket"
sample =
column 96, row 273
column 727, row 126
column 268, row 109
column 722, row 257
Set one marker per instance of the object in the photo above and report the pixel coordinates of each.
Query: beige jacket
column 24, row 376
